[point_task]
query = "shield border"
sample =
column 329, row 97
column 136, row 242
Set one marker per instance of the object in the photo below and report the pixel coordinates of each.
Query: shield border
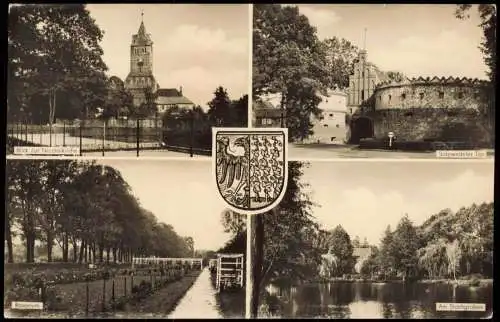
column 284, row 131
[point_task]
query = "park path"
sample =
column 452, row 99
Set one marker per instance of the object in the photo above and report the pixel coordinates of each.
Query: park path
column 199, row 301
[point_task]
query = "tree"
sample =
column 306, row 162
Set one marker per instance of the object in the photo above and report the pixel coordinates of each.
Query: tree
column 119, row 101
column 54, row 49
column 405, row 245
column 387, row 258
column 356, row 242
column 395, row 76
column 240, row 112
column 453, row 253
column 289, row 59
column 488, row 16
column 219, row 108
column 340, row 57
column 189, row 241
column 342, row 248
column 148, row 107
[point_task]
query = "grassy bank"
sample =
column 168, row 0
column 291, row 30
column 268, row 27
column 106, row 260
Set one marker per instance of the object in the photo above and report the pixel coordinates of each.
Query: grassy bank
column 231, row 302
column 164, row 301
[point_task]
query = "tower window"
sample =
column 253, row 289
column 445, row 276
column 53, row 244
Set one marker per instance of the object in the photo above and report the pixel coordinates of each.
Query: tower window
column 362, row 95
column 331, row 115
column 390, row 97
column 403, row 96
column 460, row 95
column 325, row 125
column 441, row 95
column 421, row 96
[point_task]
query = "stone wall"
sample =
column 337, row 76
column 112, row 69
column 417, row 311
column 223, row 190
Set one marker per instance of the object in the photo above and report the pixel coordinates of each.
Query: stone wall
column 415, row 124
column 426, row 94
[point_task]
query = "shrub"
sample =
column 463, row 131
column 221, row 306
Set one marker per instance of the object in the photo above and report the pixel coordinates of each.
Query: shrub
column 475, row 282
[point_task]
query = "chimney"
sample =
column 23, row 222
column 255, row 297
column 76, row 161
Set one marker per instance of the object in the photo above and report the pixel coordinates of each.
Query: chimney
column 180, row 90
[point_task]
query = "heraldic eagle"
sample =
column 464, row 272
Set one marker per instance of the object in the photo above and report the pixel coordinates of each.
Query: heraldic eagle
column 231, row 161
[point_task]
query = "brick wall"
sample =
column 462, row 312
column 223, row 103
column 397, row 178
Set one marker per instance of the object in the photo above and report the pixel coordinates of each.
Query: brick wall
column 415, row 124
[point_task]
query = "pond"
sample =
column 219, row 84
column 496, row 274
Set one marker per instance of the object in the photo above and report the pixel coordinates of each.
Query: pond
column 376, row 300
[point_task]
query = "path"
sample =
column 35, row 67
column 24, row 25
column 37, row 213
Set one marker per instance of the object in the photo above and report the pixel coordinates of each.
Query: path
column 199, row 301
column 310, row 152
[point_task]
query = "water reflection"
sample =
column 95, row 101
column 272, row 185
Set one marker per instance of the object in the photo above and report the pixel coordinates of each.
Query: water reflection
column 377, row 300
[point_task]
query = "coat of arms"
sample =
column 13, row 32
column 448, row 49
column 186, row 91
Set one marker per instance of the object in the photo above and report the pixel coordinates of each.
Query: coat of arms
column 250, row 167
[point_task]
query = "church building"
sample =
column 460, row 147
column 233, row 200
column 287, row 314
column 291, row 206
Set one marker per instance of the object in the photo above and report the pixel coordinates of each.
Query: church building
column 140, row 79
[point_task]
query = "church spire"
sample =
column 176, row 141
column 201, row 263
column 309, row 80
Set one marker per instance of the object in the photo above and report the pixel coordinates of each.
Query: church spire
column 142, row 29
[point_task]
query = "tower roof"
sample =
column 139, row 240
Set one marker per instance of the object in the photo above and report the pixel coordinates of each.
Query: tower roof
column 142, row 30
column 142, row 37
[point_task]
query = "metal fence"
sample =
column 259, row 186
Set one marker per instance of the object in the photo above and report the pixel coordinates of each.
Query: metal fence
column 111, row 135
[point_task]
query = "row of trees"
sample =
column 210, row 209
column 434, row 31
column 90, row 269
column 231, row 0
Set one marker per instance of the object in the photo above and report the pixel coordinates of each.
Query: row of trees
column 447, row 245
column 87, row 210
column 289, row 59
column 222, row 111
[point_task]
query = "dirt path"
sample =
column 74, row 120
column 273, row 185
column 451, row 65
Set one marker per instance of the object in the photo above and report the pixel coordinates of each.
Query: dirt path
column 199, row 301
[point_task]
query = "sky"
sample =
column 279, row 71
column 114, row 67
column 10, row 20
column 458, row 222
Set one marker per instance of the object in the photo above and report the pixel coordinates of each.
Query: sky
column 180, row 193
column 365, row 197
column 415, row 39
column 196, row 46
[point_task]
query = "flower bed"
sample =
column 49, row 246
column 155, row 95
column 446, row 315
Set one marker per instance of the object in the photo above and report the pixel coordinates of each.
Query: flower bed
column 101, row 290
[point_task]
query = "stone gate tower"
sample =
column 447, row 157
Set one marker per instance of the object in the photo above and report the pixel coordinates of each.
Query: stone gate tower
column 141, row 76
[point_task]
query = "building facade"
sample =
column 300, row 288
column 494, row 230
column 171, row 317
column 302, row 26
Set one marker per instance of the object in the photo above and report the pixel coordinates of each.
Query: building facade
column 330, row 127
column 265, row 114
column 170, row 98
column 363, row 81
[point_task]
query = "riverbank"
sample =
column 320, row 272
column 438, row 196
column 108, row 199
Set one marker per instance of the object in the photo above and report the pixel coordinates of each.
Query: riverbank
column 461, row 282
column 473, row 282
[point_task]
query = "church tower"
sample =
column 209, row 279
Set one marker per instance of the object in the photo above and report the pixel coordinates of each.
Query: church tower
column 141, row 76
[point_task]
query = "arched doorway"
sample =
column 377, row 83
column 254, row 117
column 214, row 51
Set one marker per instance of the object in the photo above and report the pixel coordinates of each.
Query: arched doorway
column 361, row 127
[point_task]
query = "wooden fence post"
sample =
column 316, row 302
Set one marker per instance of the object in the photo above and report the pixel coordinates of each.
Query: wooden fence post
column 81, row 126
column 104, row 295
column 137, row 137
column 87, row 298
